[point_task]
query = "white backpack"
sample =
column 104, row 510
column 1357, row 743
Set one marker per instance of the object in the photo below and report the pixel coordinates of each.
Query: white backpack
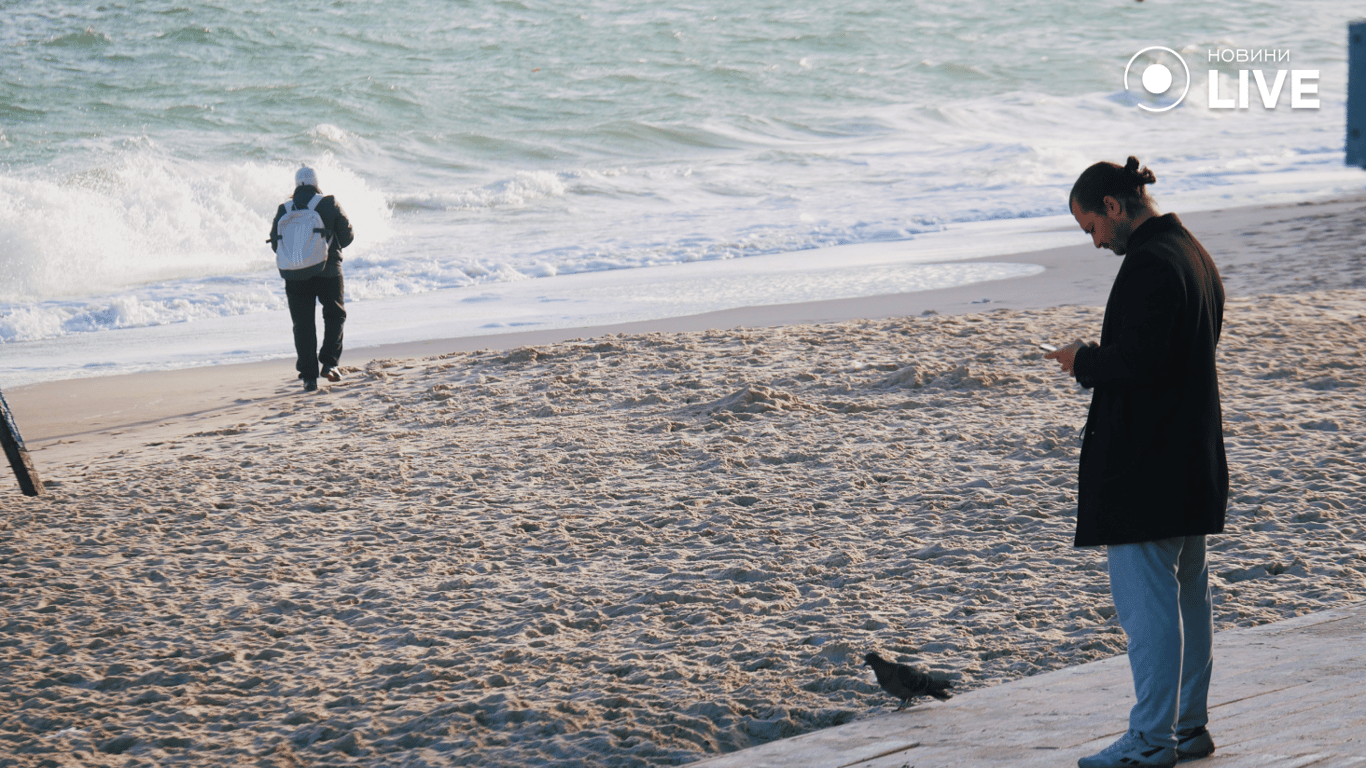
column 302, row 252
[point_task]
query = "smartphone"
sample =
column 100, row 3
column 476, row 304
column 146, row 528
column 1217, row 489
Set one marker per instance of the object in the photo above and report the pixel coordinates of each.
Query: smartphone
column 1048, row 348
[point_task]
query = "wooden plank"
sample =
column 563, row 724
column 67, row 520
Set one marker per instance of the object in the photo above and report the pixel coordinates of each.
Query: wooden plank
column 1285, row 695
column 16, row 453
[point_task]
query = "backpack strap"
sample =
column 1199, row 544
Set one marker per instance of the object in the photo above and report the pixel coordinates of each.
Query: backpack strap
column 313, row 206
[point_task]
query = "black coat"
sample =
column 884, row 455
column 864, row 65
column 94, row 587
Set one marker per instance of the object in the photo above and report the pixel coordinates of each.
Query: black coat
column 1152, row 457
column 334, row 220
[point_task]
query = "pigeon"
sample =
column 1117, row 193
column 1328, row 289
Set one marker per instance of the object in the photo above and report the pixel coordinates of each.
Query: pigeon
column 905, row 682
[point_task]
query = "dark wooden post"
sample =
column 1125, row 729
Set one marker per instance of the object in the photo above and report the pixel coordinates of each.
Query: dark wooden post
column 1356, row 93
column 17, row 454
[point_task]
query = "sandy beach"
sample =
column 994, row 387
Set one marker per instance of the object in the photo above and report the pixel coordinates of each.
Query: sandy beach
column 646, row 545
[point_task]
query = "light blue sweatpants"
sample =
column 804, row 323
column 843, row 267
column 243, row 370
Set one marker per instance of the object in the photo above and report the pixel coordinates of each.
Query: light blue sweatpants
column 1161, row 593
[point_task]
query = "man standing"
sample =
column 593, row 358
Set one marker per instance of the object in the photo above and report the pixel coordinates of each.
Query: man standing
column 1152, row 480
column 323, row 288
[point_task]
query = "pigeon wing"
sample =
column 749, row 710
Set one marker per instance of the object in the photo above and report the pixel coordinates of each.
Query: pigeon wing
column 887, row 676
column 916, row 683
column 912, row 681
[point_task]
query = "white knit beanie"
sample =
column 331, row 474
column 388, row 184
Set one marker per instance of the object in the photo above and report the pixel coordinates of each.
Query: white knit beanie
column 305, row 176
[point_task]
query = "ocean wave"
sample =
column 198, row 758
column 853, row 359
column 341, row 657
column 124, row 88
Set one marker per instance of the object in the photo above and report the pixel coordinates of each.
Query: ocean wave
column 634, row 137
column 515, row 191
column 332, row 134
column 86, row 38
column 142, row 217
column 55, row 319
column 189, row 35
column 510, row 142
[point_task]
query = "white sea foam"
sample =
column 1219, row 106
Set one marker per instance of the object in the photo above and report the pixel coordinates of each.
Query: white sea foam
column 245, row 334
column 146, row 219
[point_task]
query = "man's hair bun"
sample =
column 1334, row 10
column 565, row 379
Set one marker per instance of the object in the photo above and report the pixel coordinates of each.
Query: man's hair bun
column 1142, row 176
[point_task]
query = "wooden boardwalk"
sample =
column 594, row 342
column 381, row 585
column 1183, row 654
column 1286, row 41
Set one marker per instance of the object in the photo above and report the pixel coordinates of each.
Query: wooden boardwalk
column 1285, row 695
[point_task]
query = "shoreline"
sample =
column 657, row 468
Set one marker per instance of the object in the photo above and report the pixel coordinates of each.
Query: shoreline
column 1245, row 242
column 60, row 410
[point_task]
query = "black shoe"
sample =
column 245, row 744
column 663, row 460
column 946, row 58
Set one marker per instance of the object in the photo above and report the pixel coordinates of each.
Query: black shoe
column 310, row 385
column 1193, row 744
column 331, row 374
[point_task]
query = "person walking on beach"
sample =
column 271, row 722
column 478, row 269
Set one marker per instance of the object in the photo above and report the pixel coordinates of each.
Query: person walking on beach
column 322, row 284
column 1152, row 477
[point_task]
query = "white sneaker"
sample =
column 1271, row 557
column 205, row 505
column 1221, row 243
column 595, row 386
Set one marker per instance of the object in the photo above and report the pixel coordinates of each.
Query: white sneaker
column 1131, row 751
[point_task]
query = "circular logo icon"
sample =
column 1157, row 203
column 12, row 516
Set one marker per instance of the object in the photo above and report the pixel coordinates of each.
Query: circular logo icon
column 1157, row 78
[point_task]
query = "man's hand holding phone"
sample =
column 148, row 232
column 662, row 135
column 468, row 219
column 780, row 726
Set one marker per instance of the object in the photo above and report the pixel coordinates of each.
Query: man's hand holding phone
column 1065, row 356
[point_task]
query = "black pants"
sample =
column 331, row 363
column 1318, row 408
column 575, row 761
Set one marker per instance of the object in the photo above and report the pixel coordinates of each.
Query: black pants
column 303, row 296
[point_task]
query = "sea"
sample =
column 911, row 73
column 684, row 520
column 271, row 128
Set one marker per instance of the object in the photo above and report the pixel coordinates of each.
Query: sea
column 534, row 164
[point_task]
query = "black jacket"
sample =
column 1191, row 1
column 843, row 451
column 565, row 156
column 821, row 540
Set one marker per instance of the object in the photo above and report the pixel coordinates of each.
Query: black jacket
column 1152, row 457
column 334, row 220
